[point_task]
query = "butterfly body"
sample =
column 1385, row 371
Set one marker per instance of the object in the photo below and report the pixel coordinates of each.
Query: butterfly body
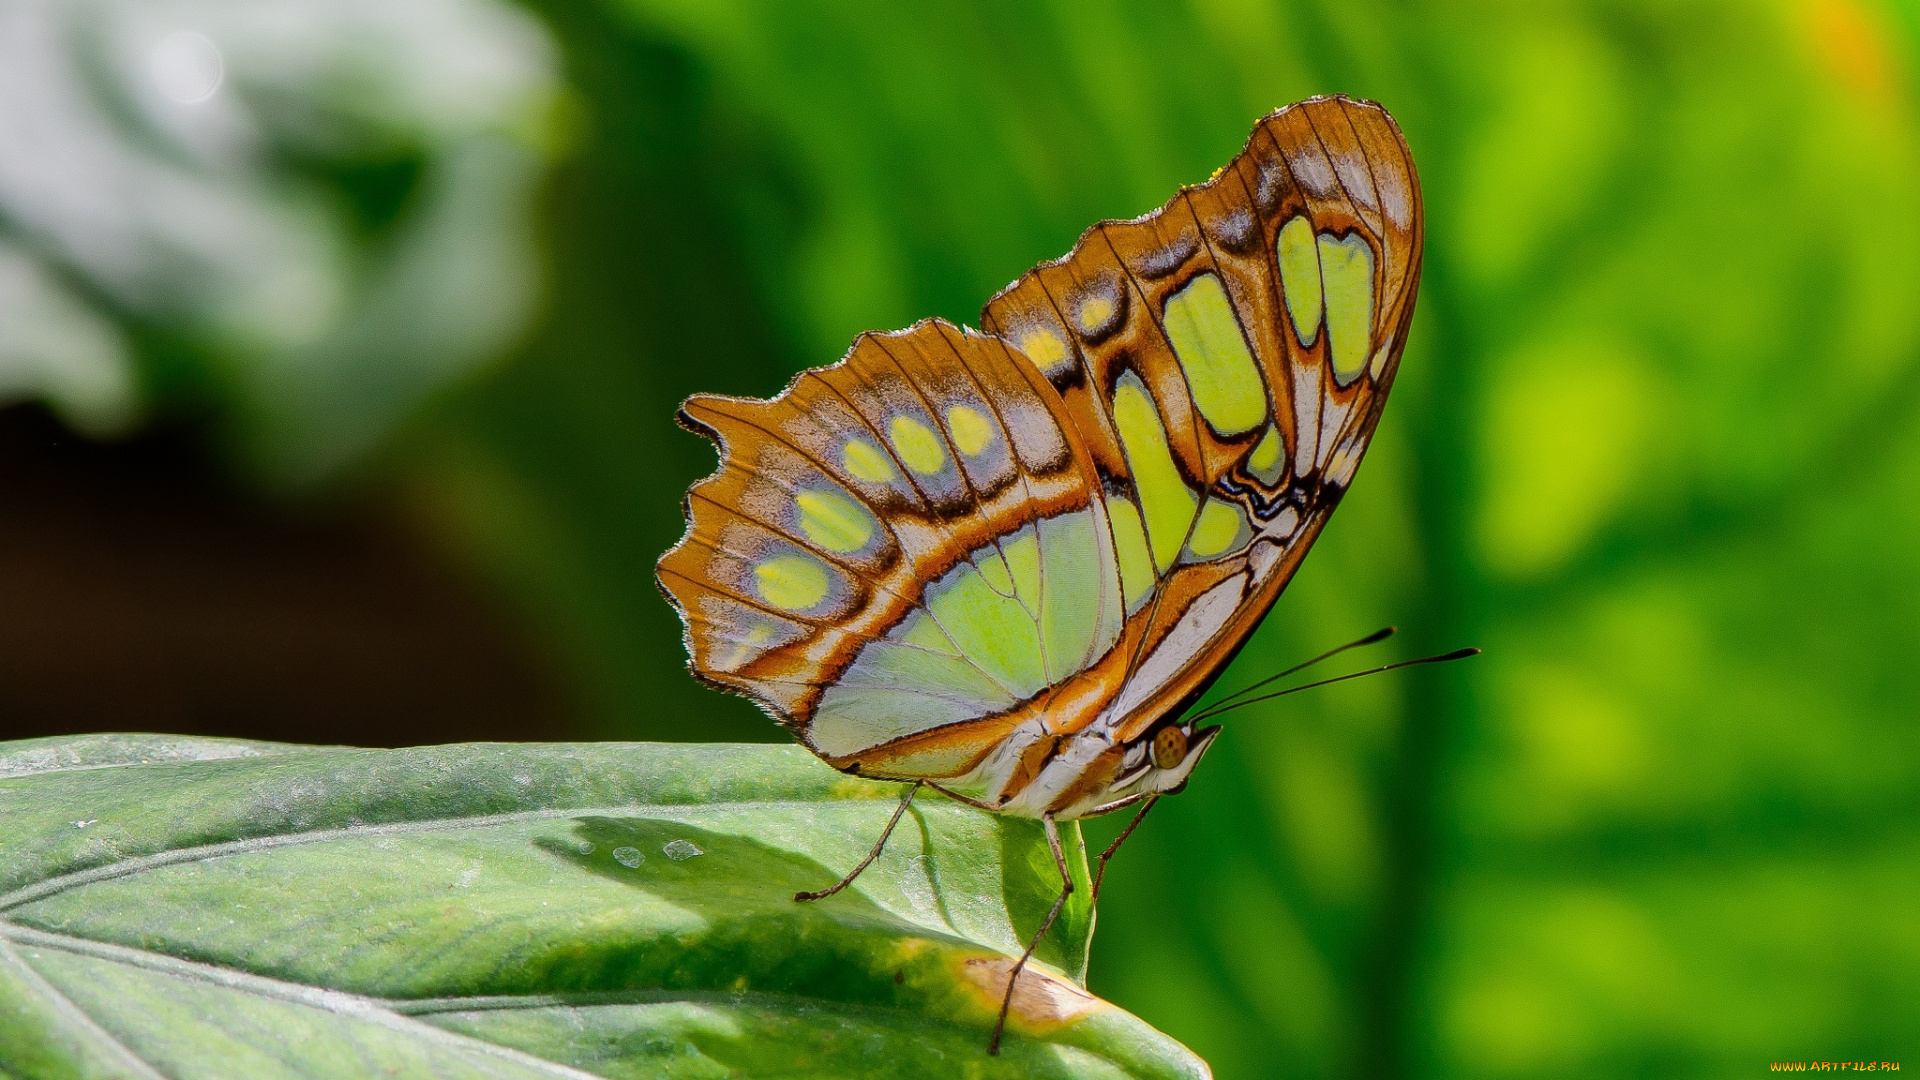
column 1002, row 562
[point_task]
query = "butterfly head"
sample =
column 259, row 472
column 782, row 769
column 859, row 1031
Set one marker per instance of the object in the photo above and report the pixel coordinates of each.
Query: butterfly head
column 1160, row 760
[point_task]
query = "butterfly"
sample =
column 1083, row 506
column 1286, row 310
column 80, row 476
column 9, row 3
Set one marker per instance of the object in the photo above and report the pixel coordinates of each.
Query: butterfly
column 1003, row 562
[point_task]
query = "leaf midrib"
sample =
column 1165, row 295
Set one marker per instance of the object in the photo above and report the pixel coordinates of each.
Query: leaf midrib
column 60, row 883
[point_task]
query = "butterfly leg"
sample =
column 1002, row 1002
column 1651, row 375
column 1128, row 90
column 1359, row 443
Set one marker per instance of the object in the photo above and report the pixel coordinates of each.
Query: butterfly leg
column 899, row 812
column 1101, row 873
column 1066, row 890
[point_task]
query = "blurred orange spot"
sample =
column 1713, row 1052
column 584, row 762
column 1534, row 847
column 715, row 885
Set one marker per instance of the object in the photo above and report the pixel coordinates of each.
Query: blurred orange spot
column 1855, row 47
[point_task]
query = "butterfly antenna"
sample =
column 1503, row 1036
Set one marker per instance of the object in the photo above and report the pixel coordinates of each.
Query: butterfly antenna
column 1457, row 654
column 1377, row 636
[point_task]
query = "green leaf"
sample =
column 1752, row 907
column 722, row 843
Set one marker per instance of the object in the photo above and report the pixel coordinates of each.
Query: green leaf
column 213, row 908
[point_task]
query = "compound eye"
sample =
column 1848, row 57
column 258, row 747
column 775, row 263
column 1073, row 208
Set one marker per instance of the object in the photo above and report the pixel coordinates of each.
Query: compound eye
column 1169, row 747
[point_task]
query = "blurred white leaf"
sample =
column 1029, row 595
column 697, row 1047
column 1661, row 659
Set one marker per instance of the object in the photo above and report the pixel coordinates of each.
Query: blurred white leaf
column 170, row 159
column 53, row 346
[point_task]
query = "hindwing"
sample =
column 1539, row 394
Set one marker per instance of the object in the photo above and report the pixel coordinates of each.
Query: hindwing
column 905, row 543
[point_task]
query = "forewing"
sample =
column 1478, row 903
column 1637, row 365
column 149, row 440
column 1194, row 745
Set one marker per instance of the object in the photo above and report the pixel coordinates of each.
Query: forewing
column 1225, row 360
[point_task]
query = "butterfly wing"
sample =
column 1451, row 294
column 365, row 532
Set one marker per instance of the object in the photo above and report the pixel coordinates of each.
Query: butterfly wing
column 1226, row 359
column 950, row 551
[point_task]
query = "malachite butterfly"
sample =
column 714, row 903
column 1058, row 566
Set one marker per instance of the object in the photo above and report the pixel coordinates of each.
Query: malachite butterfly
column 1002, row 562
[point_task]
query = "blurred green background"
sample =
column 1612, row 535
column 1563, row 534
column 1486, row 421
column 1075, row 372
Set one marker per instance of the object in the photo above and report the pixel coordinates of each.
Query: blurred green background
column 1655, row 447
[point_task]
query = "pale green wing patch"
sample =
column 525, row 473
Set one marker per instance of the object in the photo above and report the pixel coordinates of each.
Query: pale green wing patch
column 1130, row 550
column 1346, row 269
column 992, row 628
column 832, row 519
column 894, row 665
column 918, row 446
column 1299, row 259
column 1212, row 352
column 1012, row 566
column 976, row 650
column 1221, row 530
column 852, row 719
column 1265, row 461
column 1166, row 502
column 791, row 582
column 1078, row 590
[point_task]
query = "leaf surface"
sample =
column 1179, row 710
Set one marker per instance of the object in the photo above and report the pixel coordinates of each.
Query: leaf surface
column 188, row 908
